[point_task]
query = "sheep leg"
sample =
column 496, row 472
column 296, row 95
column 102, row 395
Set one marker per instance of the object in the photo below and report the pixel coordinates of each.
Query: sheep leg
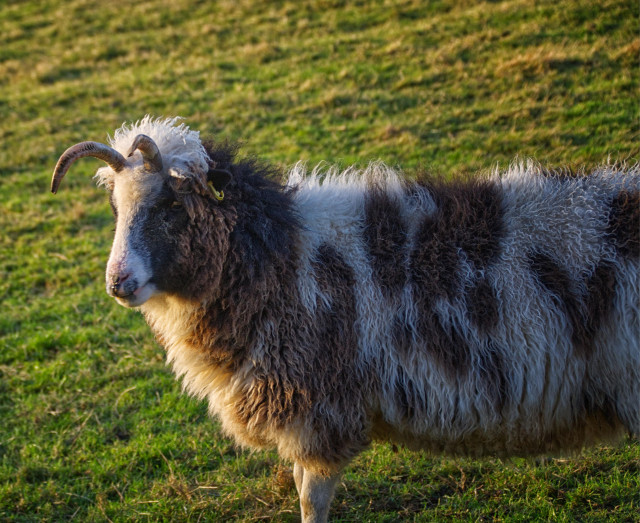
column 316, row 492
column 298, row 474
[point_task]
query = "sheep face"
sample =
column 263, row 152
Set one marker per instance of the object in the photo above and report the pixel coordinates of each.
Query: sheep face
column 159, row 209
column 149, row 219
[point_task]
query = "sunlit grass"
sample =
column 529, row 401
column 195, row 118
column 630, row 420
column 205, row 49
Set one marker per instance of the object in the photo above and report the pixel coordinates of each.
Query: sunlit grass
column 93, row 426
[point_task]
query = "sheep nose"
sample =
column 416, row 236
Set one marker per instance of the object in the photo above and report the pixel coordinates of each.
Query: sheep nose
column 116, row 282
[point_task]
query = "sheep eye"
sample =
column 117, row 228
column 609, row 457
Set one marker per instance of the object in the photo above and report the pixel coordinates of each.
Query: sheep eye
column 176, row 204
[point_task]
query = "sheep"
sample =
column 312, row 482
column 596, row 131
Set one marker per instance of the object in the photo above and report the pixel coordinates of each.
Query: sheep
column 497, row 316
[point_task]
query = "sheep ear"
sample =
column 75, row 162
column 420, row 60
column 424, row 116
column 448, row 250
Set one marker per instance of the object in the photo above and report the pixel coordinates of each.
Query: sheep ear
column 219, row 178
column 179, row 180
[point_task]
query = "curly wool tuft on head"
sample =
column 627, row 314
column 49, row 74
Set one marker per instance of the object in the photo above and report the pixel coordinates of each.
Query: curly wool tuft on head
column 180, row 147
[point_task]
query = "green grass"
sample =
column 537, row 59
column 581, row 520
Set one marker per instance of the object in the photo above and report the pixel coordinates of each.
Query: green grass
column 93, row 427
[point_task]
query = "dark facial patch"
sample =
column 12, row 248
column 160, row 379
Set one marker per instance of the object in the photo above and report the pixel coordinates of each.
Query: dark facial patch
column 624, row 223
column 385, row 235
column 186, row 256
column 585, row 314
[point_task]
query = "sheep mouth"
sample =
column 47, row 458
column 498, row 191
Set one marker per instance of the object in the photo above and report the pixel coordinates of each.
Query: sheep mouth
column 138, row 296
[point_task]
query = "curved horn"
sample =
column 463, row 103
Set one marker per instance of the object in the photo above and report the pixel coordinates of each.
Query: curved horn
column 150, row 153
column 98, row 150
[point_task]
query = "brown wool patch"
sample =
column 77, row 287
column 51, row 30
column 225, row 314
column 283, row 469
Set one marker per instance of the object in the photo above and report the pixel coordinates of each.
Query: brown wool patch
column 246, row 245
column 385, row 235
column 471, row 216
column 558, row 282
column 601, row 291
column 624, row 223
column 272, row 400
column 482, row 305
column 336, row 326
column 334, row 379
column 468, row 218
column 402, row 336
column 585, row 313
column 309, row 368
column 408, row 401
column 493, row 373
column 434, row 262
column 278, row 393
column 211, row 338
column 598, row 413
column 445, row 345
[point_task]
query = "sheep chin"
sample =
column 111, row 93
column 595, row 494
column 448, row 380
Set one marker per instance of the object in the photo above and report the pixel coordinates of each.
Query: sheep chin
column 139, row 296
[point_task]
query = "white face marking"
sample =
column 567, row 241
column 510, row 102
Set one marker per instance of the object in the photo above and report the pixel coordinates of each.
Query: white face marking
column 129, row 267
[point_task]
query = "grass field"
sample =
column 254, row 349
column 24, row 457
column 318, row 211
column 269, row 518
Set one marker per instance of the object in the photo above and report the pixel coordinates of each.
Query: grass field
column 93, row 427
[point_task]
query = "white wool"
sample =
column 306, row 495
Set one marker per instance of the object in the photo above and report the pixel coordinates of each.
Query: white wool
column 325, row 176
column 180, row 147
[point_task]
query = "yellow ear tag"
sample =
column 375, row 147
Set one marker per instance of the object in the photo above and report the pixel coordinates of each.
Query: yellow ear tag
column 219, row 195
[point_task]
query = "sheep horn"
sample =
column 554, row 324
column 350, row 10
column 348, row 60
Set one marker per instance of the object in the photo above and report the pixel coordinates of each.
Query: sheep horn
column 150, row 153
column 98, row 150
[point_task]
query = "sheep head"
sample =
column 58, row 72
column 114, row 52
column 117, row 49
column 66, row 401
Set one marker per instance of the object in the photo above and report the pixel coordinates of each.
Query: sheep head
column 153, row 202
